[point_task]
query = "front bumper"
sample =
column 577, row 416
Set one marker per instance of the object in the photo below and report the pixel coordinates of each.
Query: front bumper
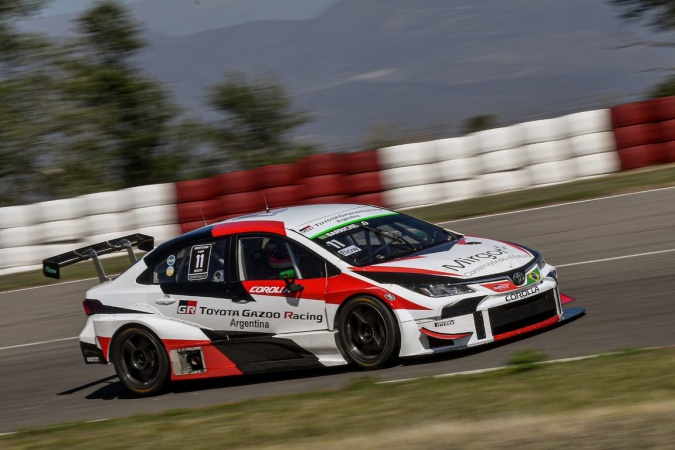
column 495, row 318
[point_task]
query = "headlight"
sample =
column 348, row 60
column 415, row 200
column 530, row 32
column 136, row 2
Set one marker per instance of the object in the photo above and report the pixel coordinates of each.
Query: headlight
column 540, row 262
column 438, row 289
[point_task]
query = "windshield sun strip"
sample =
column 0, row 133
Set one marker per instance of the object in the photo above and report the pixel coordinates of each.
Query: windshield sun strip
column 361, row 219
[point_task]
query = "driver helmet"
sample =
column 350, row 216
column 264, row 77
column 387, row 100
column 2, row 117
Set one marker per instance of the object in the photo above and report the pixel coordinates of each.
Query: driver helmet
column 276, row 254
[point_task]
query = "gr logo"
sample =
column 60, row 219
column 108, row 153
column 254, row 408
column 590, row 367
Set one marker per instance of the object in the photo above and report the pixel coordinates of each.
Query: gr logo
column 187, row 307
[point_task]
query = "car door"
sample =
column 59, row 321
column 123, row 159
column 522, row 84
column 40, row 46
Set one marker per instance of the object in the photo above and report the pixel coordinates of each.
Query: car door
column 198, row 283
column 286, row 283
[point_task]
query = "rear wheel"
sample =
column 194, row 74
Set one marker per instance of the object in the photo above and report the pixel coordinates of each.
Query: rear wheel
column 140, row 361
column 368, row 333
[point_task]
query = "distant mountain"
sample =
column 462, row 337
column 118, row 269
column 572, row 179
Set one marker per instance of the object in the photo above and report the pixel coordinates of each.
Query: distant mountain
column 406, row 64
column 369, row 63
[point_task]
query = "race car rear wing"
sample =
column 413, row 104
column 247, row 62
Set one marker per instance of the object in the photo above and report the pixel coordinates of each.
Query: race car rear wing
column 51, row 267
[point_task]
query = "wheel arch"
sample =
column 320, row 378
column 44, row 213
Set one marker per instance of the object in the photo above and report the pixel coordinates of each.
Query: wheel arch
column 387, row 307
column 351, row 297
column 126, row 326
column 400, row 314
column 164, row 329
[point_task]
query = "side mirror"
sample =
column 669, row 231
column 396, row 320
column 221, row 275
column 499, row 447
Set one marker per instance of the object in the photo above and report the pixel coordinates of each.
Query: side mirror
column 289, row 278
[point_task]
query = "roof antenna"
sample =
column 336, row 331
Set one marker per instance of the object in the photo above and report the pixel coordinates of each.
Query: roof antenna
column 267, row 208
column 200, row 210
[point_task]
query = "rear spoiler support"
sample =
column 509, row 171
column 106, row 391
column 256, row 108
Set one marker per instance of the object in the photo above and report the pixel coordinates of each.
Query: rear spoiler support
column 51, row 267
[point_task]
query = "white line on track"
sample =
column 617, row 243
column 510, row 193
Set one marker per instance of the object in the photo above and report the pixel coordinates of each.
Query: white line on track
column 559, row 204
column 38, row 343
column 615, row 258
column 47, row 286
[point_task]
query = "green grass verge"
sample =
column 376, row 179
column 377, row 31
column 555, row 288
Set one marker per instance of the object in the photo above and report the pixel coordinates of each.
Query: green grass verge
column 618, row 183
column 624, row 400
column 653, row 177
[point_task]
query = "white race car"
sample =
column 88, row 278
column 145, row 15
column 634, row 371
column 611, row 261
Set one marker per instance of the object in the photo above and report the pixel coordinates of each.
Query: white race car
column 304, row 287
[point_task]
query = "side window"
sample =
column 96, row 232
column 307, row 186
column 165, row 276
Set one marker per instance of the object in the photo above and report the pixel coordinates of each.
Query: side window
column 202, row 262
column 270, row 258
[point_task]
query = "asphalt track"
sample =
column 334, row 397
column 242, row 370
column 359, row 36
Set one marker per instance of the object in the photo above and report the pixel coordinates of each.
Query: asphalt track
column 616, row 256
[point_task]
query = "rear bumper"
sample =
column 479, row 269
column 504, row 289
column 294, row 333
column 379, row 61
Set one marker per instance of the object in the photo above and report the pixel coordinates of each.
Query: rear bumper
column 92, row 354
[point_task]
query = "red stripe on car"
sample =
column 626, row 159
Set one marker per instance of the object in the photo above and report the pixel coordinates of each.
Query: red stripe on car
column 536, row 326
column 249, row 226
column 437, row 335
column 500, row 286
column 565, row 299
column 344, row 286
column 104, row 342
column 216, row 363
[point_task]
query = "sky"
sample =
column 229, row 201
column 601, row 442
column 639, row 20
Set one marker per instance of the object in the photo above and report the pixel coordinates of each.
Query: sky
column 56, row 7
column 184, row 17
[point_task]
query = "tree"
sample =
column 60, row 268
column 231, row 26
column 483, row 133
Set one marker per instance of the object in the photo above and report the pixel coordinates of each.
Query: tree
column 26, row 100
column 664, row 89
column 259, row 117
column 479, row 123
column 133, row 111
column 660, row 14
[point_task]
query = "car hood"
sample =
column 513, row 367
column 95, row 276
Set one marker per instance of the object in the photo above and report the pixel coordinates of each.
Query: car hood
column 469, row 257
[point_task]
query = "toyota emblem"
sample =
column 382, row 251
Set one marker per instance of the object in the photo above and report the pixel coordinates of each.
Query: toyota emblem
column 518, row 278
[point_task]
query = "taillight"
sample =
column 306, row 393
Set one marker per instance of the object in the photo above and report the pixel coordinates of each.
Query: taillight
column 92, row 307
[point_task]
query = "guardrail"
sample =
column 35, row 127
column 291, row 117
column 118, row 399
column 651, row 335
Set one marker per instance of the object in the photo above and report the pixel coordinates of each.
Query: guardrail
column 538, row 153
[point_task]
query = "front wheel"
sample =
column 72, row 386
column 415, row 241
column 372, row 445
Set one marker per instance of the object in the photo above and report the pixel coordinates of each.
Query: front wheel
column 368, row 332
column 140, row 361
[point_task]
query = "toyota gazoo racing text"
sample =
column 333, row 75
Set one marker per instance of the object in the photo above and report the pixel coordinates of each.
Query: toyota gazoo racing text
column 304, row 287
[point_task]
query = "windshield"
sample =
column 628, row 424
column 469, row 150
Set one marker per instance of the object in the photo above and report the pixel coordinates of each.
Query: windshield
column 382, row 239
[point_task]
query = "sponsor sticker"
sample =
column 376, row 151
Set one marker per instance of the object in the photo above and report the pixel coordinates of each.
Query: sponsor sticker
column 306, row 229
column 487, row 259
column 534, row 276
column 187, row 307
column 266, row 290
column 499, row 287
column 522, row 294
column 169, row 271
column 349, row 250
column 199, row 262
column 390, row 297
column 171, row 260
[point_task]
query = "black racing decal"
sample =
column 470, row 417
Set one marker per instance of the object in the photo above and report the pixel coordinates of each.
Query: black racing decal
column 523, row 313
column 221, row 335
column 265, row 353
column 162, row 250
column 407, row 278
column 97, row 307
column 92, row 354
column 234, row 291
column 462, row 307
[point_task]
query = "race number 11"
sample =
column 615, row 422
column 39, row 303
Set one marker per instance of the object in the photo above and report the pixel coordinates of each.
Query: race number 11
column 199, row 262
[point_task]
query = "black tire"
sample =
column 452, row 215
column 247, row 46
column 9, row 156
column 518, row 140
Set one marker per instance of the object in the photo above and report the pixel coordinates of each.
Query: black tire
column 140, row 361
column 368, row 333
